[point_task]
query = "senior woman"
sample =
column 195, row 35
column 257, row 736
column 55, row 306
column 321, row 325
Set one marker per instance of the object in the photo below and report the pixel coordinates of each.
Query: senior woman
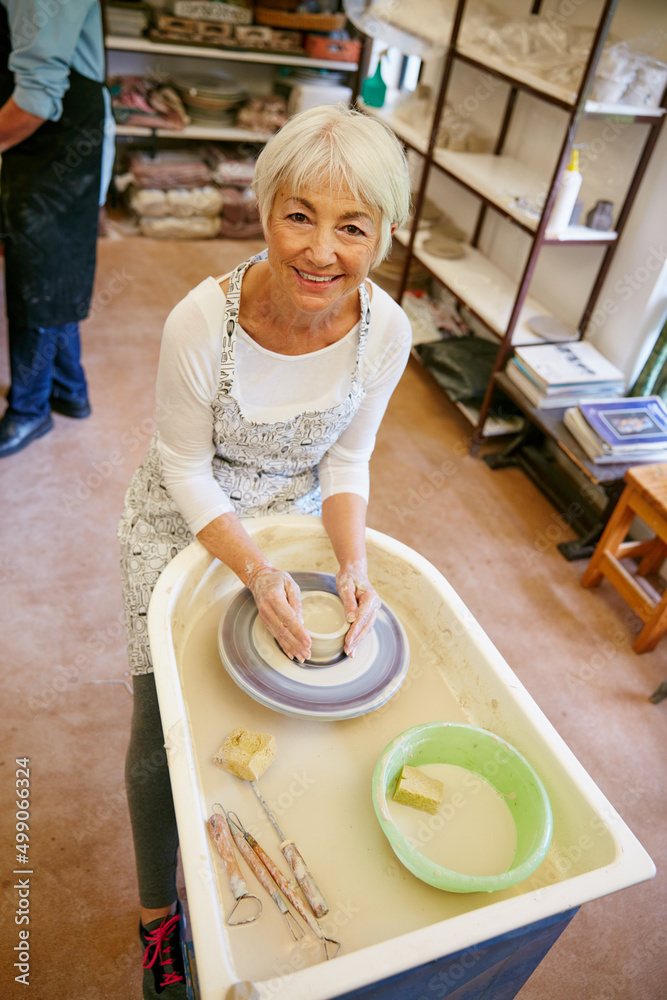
column 271, row 386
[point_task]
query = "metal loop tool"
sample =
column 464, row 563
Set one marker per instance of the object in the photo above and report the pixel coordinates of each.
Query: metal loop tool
column 288, row 889
column 262, row 874
column 247, row 907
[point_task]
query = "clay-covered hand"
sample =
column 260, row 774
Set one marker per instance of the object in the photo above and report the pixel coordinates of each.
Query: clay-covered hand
column 278, row 601
column 360, row 601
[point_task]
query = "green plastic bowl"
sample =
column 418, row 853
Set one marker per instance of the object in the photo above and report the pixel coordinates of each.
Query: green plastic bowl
column 489, row 757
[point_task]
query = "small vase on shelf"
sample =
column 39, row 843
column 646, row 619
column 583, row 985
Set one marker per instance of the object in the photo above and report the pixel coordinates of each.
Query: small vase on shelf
column 374, row 88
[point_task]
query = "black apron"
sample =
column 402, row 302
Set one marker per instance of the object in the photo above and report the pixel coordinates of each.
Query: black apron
column 49, row 200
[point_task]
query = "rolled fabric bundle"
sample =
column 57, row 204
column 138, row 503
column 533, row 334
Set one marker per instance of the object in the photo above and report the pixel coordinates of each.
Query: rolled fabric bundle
column 196, row 227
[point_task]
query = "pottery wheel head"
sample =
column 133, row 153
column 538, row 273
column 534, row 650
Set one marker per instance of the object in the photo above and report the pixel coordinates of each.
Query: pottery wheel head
column 339, row 689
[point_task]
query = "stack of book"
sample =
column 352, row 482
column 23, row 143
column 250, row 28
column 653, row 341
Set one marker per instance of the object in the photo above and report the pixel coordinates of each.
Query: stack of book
column 620, row 430
column 559, row 375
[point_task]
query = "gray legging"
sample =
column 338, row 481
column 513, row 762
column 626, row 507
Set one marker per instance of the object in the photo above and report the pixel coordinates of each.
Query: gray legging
column 149, row 798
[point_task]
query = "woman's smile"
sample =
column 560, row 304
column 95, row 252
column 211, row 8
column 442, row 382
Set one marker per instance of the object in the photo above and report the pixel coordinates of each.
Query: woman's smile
column 322, row 279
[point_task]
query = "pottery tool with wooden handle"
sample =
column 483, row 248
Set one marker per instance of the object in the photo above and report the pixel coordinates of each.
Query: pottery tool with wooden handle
column 288, row 889
column 247, row 907
column 247, row 755
column 262, row 876
column 294, row 859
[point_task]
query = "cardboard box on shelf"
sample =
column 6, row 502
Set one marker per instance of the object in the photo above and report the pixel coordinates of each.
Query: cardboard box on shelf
column 177, row 27
column 286, row 41
column 252, row 35
column 211, row 33
column 196, row 31
column 189, row 29
column 271, row 39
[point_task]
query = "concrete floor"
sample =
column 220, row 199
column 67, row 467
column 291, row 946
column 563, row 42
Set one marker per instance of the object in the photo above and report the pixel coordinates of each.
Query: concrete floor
column 63, row 687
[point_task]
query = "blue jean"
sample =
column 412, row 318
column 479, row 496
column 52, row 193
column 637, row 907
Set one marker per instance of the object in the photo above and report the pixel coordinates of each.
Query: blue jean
column 44, row 362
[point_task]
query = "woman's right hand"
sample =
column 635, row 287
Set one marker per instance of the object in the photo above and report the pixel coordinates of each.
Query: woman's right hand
column 278, row 601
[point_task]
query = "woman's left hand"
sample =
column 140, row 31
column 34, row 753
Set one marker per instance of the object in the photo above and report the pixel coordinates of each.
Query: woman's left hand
column 360, row 601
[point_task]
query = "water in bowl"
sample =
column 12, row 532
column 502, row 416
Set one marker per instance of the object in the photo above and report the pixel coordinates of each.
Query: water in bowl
column 473, row 831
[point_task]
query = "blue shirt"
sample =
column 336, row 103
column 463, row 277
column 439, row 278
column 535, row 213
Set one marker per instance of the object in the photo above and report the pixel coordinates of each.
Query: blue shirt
column 48, row 38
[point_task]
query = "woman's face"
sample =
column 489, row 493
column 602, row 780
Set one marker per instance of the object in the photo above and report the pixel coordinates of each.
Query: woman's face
column 320, row 245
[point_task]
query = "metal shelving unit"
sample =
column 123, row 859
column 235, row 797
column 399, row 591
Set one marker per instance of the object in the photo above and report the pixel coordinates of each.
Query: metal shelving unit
column 203, row 132
column 503, row 304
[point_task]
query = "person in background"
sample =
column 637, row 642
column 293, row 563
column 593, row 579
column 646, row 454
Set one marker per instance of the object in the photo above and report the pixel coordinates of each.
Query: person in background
column 271, row 386
column 55, row 121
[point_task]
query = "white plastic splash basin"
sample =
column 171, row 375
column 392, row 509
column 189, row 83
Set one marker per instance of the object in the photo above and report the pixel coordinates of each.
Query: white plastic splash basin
column 319, row 785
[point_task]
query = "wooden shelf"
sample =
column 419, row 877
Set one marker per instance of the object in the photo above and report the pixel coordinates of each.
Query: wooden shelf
column 217, row 133
column 493, row 426
column 513, row 75
column 416, row 138
column 561, row 96
column 483, row 288
column 580, row 234
column 123, row 44
column 500, row 180
column 599, row 109
column 383, row 18
column 550, row 422
column 497, row 179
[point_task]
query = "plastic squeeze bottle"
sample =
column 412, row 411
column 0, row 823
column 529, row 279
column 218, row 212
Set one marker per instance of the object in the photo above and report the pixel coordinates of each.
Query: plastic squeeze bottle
column 566, row 198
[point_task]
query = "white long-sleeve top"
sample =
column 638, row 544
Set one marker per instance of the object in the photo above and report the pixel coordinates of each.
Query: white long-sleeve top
column 268, row 388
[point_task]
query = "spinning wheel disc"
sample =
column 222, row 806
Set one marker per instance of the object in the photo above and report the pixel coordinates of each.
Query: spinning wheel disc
column 349, row 687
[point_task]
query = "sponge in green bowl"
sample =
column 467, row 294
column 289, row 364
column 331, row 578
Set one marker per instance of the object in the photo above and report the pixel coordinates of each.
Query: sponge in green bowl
column 416, row 789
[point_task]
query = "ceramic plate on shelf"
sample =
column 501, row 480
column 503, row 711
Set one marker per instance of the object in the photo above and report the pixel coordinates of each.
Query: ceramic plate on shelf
column 551, row 328
column 349, row 687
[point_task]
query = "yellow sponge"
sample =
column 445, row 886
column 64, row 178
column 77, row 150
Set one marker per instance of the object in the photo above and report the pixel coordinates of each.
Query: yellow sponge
column 246, row 753
column 416, row 789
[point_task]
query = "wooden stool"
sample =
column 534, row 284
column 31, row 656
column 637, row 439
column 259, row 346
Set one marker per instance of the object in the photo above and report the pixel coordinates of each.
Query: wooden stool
column 644, row 496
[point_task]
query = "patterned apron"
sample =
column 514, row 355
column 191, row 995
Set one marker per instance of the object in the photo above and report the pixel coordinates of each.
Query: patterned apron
column 263, row 468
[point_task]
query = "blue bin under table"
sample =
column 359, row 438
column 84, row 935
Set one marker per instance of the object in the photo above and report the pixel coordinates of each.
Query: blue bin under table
column 400, row 937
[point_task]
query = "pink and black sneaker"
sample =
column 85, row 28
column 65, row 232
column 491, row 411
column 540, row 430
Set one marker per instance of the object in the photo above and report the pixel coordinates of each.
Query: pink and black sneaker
column 164, row 973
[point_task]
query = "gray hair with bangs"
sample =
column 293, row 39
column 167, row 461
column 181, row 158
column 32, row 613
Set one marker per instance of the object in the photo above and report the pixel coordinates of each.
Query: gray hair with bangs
column 345, row 151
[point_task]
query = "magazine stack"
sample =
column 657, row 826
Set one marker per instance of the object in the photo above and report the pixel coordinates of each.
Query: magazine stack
column 632, row 430
column 560, row 375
